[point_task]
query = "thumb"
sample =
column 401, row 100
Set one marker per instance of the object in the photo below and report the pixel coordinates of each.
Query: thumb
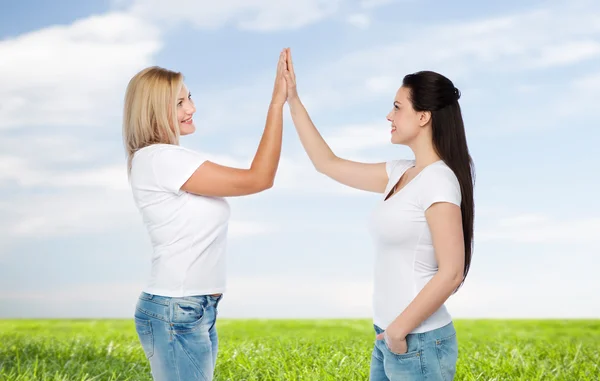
column 380, row 336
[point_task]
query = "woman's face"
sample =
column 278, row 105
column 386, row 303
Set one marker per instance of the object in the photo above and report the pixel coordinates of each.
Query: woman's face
column 185, row 111
column 406, row 122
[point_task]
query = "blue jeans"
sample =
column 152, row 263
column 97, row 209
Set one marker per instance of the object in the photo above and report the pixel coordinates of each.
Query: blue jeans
column 178, row 335
column 431, row 356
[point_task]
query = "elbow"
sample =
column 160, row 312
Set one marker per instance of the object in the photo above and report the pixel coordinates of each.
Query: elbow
column 319, row 168
column 322, row 165
column 258, row 181
column 264, row 184
column 457, row 279
column 453, row 277
column 268, row 184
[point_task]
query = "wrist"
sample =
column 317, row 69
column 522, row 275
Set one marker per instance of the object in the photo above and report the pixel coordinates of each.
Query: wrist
column 276, row 104
column 294, row 101
column 397, row 332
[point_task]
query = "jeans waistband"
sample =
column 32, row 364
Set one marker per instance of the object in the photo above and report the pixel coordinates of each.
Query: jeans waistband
column 204, row 300
column 434, row 334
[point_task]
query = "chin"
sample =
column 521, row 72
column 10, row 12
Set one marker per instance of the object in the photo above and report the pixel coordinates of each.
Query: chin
column 187, row 130
column 395, row 140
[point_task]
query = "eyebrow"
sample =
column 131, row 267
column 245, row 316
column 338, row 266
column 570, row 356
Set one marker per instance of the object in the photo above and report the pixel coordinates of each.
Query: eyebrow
column 397, row 102
column 180, row 99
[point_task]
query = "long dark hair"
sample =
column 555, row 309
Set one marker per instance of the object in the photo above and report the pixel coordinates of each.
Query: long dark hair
column 430, row 91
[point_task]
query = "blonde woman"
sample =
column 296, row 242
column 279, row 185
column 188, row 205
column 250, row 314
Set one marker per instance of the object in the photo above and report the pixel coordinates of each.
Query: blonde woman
column 181, row 198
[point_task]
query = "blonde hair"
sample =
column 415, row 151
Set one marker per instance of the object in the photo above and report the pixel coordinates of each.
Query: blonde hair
column 149, row 115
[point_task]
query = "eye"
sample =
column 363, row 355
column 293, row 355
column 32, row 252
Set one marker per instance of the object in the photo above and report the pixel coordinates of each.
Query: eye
column 179, row 103
column 396, row 107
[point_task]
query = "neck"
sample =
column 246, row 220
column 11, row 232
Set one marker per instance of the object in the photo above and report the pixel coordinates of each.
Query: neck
column 424, row 152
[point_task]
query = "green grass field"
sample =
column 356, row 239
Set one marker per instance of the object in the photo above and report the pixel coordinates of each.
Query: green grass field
column 86, row 350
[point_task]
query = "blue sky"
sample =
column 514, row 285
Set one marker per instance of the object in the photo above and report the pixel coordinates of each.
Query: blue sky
column 72, row 243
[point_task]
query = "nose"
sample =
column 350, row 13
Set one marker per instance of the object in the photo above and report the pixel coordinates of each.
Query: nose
column 389, row 116
column 191, row 109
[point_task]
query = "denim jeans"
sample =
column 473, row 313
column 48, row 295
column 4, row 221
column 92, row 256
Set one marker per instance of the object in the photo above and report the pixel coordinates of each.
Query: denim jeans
column 178, row 335
column 431, row 356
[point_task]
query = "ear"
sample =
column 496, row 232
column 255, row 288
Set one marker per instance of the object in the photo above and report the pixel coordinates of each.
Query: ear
column 424, row 118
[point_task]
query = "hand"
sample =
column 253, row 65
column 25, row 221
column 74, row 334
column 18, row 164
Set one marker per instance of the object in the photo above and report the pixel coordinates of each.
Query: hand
column 280, row 88
column 290, row 75
column 395, row 342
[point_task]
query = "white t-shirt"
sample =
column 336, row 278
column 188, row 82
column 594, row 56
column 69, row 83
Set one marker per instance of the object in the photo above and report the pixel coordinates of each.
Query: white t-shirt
column 405, row 259
column 188, row 232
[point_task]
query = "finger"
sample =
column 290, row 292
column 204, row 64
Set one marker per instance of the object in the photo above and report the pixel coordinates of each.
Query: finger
column 283, row 61
column 290, row 63
column 281, row 64
column 380, row 336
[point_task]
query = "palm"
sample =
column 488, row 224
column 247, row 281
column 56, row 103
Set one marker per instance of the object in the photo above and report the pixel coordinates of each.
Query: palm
column 290, row 75
column 280, row 88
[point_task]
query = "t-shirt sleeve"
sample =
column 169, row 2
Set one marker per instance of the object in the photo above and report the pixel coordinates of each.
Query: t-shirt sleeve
column 390, row 165
column 393, row 169
column 439, row 185
column 396, row 165
column 173, row 166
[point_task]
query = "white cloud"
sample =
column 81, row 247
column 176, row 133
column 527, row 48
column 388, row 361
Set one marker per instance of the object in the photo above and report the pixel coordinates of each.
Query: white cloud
column 382, row 85
column 258, row 15
column 580, row 98
column 588, row 82
column 18, row 170
column 535, row 228
column 297, row 175
column 28, row 173
column 567, row 53
column 359, row 20
column 99, row 300
column 375, row 3
column 350, row 139
column 537, row 297
column 68, row 213
column 462, row 51
column 69, row 75
column 296, row 297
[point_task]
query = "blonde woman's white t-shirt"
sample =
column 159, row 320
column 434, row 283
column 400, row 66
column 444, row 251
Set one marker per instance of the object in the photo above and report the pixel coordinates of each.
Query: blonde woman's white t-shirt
column 188, row 232
column 404, row 256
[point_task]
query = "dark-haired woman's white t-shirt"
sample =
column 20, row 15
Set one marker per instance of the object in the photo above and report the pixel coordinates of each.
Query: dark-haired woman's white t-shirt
column 404, row 257
column 188, row 232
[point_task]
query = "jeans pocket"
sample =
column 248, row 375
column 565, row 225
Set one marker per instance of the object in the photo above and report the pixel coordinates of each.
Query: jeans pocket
column 412, row 348
column 187, row 315
column 144, row 331
column 447, row 353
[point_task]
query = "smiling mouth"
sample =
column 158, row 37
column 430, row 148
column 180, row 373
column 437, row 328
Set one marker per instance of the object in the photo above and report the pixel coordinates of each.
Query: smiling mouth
column 187, row 121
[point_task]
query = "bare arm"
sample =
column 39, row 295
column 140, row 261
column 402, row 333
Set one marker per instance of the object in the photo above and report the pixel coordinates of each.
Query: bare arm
column 364, row 176
column 211, row 179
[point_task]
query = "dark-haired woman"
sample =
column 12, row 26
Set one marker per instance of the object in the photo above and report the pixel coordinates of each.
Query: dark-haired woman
column 422, row 226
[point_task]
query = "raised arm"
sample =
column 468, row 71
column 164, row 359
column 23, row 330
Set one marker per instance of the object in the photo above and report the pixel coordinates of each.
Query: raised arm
column 365, row 176
column 211, row 179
